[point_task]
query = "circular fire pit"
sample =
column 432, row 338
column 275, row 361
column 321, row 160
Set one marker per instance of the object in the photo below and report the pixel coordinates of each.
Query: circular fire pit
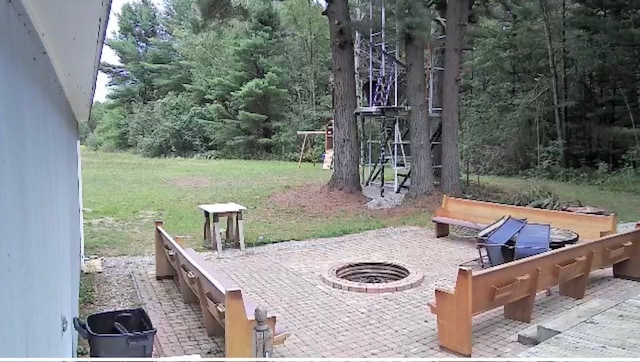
column 372, row 277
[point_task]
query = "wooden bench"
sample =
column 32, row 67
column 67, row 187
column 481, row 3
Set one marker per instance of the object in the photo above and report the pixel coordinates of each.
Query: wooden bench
column 478, row 214
column 514, row 285
column 225, row 310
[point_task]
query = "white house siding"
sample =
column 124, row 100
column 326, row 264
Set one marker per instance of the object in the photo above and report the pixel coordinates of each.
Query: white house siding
column 39, row 203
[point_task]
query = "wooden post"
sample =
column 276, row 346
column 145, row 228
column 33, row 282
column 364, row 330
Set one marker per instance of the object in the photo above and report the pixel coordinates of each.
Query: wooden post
column 231, row 233
column 164, row 269
column 207, row 230
column 262, row 346
column 217, row 243
column 240, row 230
column 304, row 142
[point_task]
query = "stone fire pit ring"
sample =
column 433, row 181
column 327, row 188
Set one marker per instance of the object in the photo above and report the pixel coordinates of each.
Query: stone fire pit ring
column 372, row 277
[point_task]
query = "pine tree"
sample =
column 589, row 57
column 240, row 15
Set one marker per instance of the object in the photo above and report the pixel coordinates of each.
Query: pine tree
column 138, row 25
column 250, row 97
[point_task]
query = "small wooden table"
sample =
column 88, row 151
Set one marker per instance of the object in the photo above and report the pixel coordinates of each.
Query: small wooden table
column 235, row 224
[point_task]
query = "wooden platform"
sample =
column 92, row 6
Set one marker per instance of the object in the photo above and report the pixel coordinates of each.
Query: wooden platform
column 612, row 333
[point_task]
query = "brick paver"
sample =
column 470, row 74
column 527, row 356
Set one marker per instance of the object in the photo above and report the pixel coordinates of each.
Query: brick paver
column 327, row 322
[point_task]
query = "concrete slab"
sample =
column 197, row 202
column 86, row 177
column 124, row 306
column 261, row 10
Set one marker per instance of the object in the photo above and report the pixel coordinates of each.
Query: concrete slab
column 544, row 330
column 609, row 334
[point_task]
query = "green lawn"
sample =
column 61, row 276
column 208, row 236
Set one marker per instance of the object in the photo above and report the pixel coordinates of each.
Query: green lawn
column 124, row 193
column 625, row 204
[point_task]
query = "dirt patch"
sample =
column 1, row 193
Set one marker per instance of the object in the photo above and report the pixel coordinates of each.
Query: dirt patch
column 320, row 200
column 144, row 219
column 105, row 223
column 430, row 202
column 147, row 216
column 193, row 182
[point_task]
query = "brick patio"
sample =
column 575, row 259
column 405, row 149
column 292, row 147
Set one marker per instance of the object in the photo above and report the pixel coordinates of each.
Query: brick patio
column 327, row 322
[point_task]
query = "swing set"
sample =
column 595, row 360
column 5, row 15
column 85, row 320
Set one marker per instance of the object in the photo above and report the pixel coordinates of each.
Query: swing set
column 328, row 144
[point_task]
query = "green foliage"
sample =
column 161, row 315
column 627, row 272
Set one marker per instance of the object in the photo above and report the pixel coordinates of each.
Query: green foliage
column 87, row 293
column 169, row 127
column 139, row 29
column 508, row 116
column 237, row 79
column 215, row 78
column 111, row 129
column 536, row 196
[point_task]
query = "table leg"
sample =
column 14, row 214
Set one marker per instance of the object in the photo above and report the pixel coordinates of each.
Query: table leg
column 231, row 230
column 207, row 229
column 237, row 229
column 240, row 230
column 216, row 233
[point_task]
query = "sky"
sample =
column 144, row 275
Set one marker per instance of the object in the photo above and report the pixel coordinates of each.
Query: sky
column 109, row 55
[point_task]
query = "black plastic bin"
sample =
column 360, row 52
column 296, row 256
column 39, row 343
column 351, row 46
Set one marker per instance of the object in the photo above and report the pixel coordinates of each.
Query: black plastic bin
column 118, row 333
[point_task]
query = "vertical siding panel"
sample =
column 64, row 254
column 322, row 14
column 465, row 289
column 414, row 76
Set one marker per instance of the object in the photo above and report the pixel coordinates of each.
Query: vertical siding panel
column 39, row 204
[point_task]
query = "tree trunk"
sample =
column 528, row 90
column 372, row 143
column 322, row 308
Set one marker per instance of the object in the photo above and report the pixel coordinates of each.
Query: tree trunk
column 436, row 67
column 457, row 17
column 312, row 63
column 358, row 59
column 419, row 127
column 565, row 83
column 554, row 78
column 345, row 142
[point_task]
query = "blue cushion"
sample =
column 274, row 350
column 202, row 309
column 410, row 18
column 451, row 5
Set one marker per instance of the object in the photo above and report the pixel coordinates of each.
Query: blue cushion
column 532, row 239
column 501, row 236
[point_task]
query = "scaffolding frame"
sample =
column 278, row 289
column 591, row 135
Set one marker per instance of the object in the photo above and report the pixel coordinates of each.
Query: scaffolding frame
column 384, row 108
column 382, row 113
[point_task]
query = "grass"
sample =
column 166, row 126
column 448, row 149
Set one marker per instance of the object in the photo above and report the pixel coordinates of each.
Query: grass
column 87, row 298
column 125, row 193
column 625, row 204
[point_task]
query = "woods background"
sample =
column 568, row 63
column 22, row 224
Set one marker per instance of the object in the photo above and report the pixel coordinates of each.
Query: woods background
column 551, row 88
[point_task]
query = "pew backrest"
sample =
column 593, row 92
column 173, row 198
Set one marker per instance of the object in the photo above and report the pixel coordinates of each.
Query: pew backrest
column 499, row 285
column 181, row 259
column 589, row 227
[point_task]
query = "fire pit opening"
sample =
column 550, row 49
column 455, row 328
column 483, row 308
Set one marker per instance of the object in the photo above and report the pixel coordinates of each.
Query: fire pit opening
column 373, row 277
column 372, row 272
